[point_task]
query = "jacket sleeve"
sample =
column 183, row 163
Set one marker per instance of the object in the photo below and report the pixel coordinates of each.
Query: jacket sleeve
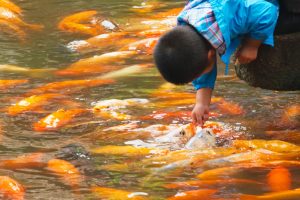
column 206, row 80
column 262, row 21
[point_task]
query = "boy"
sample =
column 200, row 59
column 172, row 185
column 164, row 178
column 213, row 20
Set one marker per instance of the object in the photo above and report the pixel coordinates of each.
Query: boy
column 188, row 52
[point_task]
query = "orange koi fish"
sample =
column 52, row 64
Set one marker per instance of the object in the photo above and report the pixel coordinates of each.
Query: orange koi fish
column 12, row 29
column 142, row 46
column 279, row 179
column 285, row 135
column 57, row 119
column 69, row 86
column 81, row 28
column 205, row 183
column 169, row 13
column 6, row 14
column 229, row 108
column 11, row 6
column 97, row 64
column 34, row 160
column 68, row 173
column 152, row 32
column 284, row 195
column 127, row 150
column 32, row 103
column 5, row 84
column 204, row 194
column 11, row 189
column 114, row 194
column 85, row 22
column 147, row 7
column 272, row 145
column 101, row 41
column 290, row 118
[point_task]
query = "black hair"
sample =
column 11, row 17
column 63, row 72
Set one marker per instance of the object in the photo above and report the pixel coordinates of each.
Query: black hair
column 181, row 54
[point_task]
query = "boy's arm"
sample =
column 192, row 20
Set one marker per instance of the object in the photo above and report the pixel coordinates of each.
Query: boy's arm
column 200, row 112
column 248, row 51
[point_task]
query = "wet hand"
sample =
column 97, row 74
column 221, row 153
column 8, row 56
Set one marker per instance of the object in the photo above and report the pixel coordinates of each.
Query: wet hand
column 200, row 114
column 246, row 54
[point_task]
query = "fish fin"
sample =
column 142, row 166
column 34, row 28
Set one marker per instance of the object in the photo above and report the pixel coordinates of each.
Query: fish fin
column 35, row 27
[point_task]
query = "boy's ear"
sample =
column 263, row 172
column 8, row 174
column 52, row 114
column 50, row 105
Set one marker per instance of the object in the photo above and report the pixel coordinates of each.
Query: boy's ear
column 211, row 54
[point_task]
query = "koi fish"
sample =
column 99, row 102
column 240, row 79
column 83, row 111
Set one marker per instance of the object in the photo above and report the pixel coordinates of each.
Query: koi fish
column 194, row 195
column 100, row 41
column 11, row 6
column 69, row 86
column 168, row 115
column 257, row 155
column 283, row 195
column 57, row 119
column 25, row 70
column 32, row 103
column 127, row 150
column 34, row 160
column 290, row 118
column 152, row 32
column 123, row 127
column 111, row 114
column 68, row 173
column 147, row 7
column 12, row 29
column 11, row 189
column 229, row 107
column 86, row 22
column 279, row 179
column 114, row 194
column 272, row 145
column 203, row 138
column 205, row 183
column 285, row 135
column 84, row 16
column 138, row 68
column 97, row 64
column 168, row 13
column 142, row 46
column 5, row 84
column 113, row 104
column 8, row 15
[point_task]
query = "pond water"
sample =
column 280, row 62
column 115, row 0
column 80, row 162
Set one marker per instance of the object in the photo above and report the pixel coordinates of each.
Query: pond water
column 243, row 112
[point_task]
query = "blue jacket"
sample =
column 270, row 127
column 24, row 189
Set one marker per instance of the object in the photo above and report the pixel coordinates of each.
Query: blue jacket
column 239, row 18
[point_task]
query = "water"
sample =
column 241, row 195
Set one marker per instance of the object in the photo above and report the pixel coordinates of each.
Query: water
column 263, row 109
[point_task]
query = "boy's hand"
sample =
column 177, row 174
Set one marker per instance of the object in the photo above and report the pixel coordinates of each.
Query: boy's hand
column 248, row 51
column 201, row 109
column 200, row 114
column 246, row 54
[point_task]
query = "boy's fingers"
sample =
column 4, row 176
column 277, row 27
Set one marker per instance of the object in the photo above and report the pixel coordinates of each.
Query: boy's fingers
column 205, row 117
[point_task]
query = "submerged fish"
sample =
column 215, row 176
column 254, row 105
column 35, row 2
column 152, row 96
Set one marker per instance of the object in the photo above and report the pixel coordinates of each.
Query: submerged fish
column 113, row 104
column 97, row 64
column 142, row 46
column 115, row 194
column 127, row 150
column 194, row 195
column 279, row 179
column 284, row 195
column 33, row 160
column 86, row 22
column 11, row 6
column 69, row 86
column 12, row 29
column 102, row 41
column 5, row 84
column 57, row 119
column 68, row 173
column 32, row 103
column 10, row 16
column 272, row 145
column 11, row 189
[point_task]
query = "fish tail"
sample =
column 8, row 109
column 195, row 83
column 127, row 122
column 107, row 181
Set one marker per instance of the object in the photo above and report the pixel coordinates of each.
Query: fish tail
column 248, row 197
column 36, row 27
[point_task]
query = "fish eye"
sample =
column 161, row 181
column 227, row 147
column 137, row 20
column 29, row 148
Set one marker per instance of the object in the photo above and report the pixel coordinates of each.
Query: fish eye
column 209, row 133
column 182, row 132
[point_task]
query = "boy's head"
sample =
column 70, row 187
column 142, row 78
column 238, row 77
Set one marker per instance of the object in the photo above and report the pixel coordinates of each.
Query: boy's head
column 182, row 54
